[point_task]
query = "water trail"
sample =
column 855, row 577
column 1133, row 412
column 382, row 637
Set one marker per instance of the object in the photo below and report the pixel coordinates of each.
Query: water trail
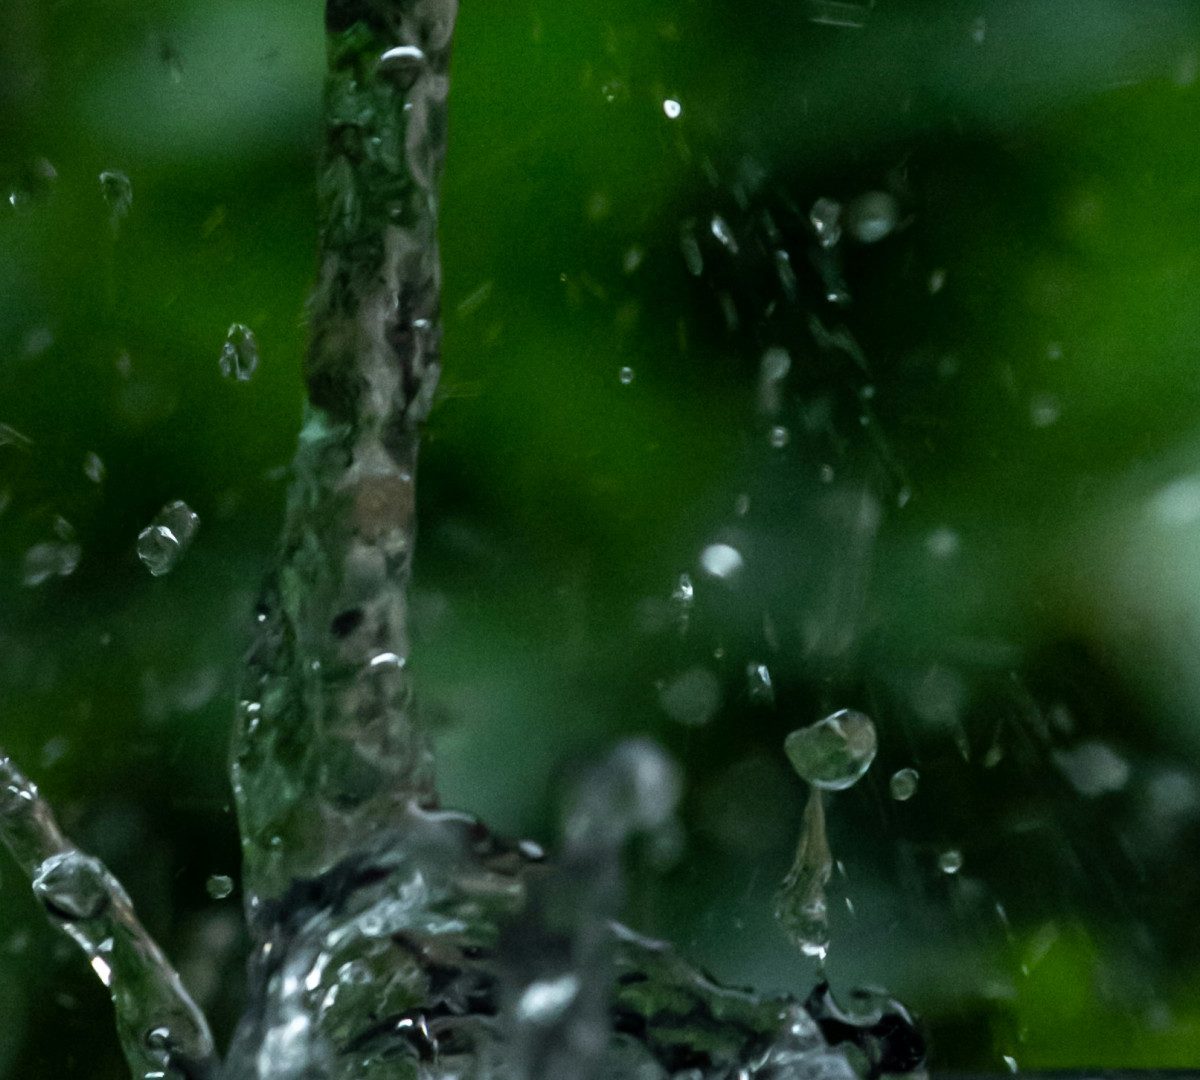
column 163, row 1033
column 327, row 751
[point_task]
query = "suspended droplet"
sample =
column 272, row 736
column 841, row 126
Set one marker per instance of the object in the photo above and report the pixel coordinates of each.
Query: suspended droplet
column 691, row 698
column 950, row 861
column 93, row 467
column 1044, row 410
column 943, row 543
column 835, row 752
column 402, row 60
column 721, row 560
column 72, row 886
column 979, row 30
column 625, row 376
column 55, row 558
column 692, row 257
column 239, row 354
column 719, row 227
column 117, row 192
column 1092, row 768
column 872, row 216
column 903, row 784
column 544, row 1001
column 166, row 539
column 826, row 220
column 219, row 886
column 758, row 683
column 672, row 109
column 779, row 436
column 776, row 363
column 937, row 282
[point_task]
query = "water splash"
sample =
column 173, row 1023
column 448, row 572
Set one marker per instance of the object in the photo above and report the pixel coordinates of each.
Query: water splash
column 162, row 1032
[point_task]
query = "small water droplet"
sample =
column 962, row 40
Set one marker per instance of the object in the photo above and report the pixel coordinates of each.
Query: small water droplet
column 55, row 558
column 937, row 281
column 826, row 219
column 672, row 109
column 239, row 353
column 776, row 363
column 1044, row 410
column 219, row 886
column 872, row 216
column 545, row 1001
column 943, row 543
column 1010, row 1063
column 903, row 784
column 721, row 561
column 403, row 59
column 72, row 886
column 719, row 227
column 625, row 376
column 10, row 436
column 1092, row 768
column 950, row 861
column 387, row 661
column 779, row 436
column 759, row 684
column 164, row 541
column 691, row 698
column 979, row 30
column 692, row 257
column 117, row 192
column 835, row 752
column 93, row 467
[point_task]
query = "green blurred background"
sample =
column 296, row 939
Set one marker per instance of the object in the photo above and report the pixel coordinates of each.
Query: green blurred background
column 983, row 527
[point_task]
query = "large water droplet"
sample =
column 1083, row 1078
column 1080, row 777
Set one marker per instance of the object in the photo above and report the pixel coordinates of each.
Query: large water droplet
column 239, row 354
column 835, row 752
column 164, row 541
column 72, row 886
column 672, row 109
column 872, row 216
column 903, row 784
column 721, row 560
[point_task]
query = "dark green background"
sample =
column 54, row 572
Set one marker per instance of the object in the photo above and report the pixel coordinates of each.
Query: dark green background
column 1046, row 162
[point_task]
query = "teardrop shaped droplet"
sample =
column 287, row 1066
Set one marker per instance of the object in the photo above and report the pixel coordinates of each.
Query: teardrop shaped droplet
column 164, row 541
column 72, row 886
column 903, row 784
column 833, row 753
column 239, row 354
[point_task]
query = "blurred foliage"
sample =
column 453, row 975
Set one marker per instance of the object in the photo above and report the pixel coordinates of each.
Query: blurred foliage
column 984, row 529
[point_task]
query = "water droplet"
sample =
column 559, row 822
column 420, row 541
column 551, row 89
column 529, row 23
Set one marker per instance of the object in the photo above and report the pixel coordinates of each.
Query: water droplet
column 950, row 861
column 759, row 684
column 872, row 216
column 164, row 541
column 219, row 886
column 800, row 906
column 117, row 192
column 402, row 60
column 1092, row 768
column 719, row 227
column 779, row 436
column 54, row 558
column 10, row 436
column 775, row 364
column 979, row 30
column 692, row 257
column 387, row 661
column 903, row 784
column 672, row 109
column 826, row 219
column 691, row 698
column 937, row 282
column 943, row 543
column 239, row 354
column 1044, row 410
column 1010, row 1063
column 93, row 467
column 625, row 376
column 72, row 886
column 721, row 561
column 833, row 753
column 543, row 1002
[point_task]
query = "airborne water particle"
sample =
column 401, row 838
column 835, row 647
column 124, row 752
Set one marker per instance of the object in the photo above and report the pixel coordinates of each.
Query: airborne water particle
column 219, row 886
column 546, row 1000
column 1044, row 410
column 979, row 30
column 164, row 541
column 721, row 560
column 942, row 543
column 117, row 192
column 903, row 784
column 93, row 467
column 55, row 558
column 625, row 376
column 239, row 353
column 937, row 282
column 722, row 234
column 672, row 109
column 779, row 436
column 759, row 684
column 950, row 861
column 403, row 59
column 691, row 698
column 872, row 216
column 835, row 752
column 826, row 220
column 1092, row 768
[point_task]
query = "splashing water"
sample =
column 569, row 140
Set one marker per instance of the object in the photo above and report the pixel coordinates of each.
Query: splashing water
column 391, row 937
